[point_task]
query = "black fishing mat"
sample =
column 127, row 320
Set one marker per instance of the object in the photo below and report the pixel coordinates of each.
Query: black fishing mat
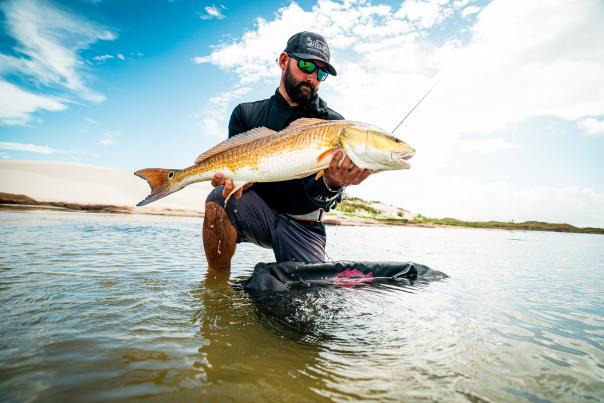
column 288, row 275
column 306, row 301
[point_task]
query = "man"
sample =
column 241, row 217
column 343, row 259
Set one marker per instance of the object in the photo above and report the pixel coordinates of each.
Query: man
column 285, row 216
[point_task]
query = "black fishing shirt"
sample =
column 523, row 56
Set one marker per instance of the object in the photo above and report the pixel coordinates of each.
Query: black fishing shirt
column 296, row 196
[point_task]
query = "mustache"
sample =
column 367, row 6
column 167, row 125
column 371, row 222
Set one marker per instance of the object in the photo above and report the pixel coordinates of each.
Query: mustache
column 305, row 84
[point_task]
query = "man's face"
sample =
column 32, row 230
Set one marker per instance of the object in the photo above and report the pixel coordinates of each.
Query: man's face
column 300, row 86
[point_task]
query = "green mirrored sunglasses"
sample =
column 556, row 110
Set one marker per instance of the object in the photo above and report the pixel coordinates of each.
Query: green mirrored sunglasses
column 309, row 67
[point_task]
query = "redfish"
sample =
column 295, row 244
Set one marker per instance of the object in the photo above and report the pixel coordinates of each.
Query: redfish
column 303, row 148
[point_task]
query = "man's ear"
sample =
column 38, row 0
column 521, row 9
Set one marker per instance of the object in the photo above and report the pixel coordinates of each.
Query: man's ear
column 282, row 60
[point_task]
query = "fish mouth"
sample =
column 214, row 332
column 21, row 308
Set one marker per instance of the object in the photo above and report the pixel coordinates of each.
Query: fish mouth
column 401, row 158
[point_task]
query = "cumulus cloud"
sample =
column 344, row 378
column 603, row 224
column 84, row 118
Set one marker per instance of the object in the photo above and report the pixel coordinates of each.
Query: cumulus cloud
column 47, row 39
column 470, row 10
column 32, row 148
column 213, row 12
column 214, row 117
column 592, row 126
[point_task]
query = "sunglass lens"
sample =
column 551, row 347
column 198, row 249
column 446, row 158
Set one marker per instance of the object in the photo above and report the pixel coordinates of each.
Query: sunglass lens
column 321, row 75
column 306, row 66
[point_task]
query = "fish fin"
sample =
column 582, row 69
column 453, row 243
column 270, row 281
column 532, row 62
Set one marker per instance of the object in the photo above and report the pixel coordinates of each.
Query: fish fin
column 325, row 156
column 158, row 180
column 309, row 172
column 303, row 122
column 242, row 138
column 319, row 175
column 235, row 189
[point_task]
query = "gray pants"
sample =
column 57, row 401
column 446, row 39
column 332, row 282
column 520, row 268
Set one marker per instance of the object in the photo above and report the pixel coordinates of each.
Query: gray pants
column 258, row 223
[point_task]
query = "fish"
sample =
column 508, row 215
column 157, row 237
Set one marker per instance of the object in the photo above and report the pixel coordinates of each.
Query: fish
column 303, row 148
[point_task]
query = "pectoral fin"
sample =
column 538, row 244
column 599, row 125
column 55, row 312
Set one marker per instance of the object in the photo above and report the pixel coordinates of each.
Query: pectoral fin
column 235, row 189
column 326, row 156
column 319, row 175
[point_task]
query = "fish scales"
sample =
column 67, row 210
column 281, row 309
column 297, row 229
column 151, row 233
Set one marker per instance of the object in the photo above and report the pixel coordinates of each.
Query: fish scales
column 248, row 155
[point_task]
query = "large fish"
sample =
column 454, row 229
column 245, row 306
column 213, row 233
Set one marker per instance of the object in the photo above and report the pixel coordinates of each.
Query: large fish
column 303, row 148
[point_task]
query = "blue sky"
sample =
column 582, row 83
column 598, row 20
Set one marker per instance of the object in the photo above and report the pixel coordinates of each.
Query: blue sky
column 514, row 130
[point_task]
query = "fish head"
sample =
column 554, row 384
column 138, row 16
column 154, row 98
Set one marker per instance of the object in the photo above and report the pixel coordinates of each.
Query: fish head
column 373, row 148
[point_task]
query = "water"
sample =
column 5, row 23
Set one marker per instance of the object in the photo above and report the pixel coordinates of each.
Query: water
column 103, row 307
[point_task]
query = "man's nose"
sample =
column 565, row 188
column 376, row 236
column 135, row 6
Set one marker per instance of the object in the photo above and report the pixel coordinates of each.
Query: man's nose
column 311, row 78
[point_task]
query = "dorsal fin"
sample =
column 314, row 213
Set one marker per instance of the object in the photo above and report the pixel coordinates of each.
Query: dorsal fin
column 301, row 123
column 242, row 138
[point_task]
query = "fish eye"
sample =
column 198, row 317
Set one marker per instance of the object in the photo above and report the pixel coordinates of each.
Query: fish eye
column 171, row 175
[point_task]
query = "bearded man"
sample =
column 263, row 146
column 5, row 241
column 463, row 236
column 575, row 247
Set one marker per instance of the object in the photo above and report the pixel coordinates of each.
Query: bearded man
column 285, row 216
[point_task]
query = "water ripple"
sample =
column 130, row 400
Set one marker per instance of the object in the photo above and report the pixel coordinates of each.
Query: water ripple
column 112, row 307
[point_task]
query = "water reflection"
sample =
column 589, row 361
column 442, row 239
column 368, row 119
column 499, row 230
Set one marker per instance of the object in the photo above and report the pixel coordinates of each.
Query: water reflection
column 241, row 357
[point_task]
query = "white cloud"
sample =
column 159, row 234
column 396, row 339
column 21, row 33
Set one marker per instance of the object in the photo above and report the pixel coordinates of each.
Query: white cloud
column 485, row 145
column 32, row 148
column 213, row 12
column 470, row 10
column 110, row 138
column 214, row 117
column 425, row 12
column 48, row 39
column 592, row 126
column 102, row 58
column 17, row 105
column 522, row 59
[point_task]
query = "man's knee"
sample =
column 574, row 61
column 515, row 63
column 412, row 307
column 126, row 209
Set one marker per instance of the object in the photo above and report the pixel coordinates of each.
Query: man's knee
column 219, row 235
column 216, row 196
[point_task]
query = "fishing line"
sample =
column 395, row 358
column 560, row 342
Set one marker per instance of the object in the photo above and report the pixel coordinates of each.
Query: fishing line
column 416, row 105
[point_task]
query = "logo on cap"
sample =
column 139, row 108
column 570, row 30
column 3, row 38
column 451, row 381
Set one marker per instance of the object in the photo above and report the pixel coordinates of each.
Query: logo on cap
column 318, row 45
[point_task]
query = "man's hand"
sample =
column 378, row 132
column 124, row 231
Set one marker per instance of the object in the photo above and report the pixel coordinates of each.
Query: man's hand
column 218, row 179
column 345, row 174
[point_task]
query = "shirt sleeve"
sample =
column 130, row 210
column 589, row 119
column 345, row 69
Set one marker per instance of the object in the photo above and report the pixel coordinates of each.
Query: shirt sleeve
column 319, row 195
column 236, row 123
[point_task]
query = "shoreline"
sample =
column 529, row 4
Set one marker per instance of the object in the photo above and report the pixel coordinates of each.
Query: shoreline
column 10, row 201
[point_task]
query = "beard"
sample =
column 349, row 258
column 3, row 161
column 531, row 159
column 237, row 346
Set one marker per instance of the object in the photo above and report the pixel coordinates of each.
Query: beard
column 301, row 92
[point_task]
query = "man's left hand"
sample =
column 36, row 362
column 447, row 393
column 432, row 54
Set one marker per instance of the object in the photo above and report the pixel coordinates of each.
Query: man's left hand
column 346, row 173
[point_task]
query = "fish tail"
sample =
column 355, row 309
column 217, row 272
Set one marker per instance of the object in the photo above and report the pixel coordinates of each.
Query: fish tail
column 161, row 183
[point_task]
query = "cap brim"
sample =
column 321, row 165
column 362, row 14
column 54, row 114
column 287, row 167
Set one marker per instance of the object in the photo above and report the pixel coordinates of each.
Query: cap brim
column 308, row 56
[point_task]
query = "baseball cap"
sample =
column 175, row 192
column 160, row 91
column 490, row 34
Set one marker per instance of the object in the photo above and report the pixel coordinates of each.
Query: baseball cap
column 310, row 46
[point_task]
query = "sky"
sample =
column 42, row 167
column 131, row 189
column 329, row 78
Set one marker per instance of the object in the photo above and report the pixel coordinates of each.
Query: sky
column 513, row 130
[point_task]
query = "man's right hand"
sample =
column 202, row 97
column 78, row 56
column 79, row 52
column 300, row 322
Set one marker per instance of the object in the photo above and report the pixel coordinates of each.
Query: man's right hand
column 218, row 179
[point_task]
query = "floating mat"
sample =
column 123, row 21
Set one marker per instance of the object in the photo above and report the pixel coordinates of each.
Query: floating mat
column 287, row 275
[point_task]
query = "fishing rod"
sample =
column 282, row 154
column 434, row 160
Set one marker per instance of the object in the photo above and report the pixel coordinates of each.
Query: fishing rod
column 416, row 105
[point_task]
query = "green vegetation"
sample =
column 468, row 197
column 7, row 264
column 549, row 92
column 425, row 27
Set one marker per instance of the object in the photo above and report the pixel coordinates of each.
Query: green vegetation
column 527, row 225
column 356, row 207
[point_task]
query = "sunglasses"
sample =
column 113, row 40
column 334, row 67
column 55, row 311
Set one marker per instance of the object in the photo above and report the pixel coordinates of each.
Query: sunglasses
column 309, row 67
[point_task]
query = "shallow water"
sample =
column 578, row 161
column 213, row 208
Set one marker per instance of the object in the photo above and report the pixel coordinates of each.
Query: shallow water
column 103, row 307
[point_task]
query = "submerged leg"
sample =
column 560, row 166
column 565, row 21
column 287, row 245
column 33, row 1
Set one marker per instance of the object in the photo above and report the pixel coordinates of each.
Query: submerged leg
column 219, row 237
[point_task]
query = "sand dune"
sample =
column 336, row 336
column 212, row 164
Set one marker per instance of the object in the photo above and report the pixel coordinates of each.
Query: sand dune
column 88, row 184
